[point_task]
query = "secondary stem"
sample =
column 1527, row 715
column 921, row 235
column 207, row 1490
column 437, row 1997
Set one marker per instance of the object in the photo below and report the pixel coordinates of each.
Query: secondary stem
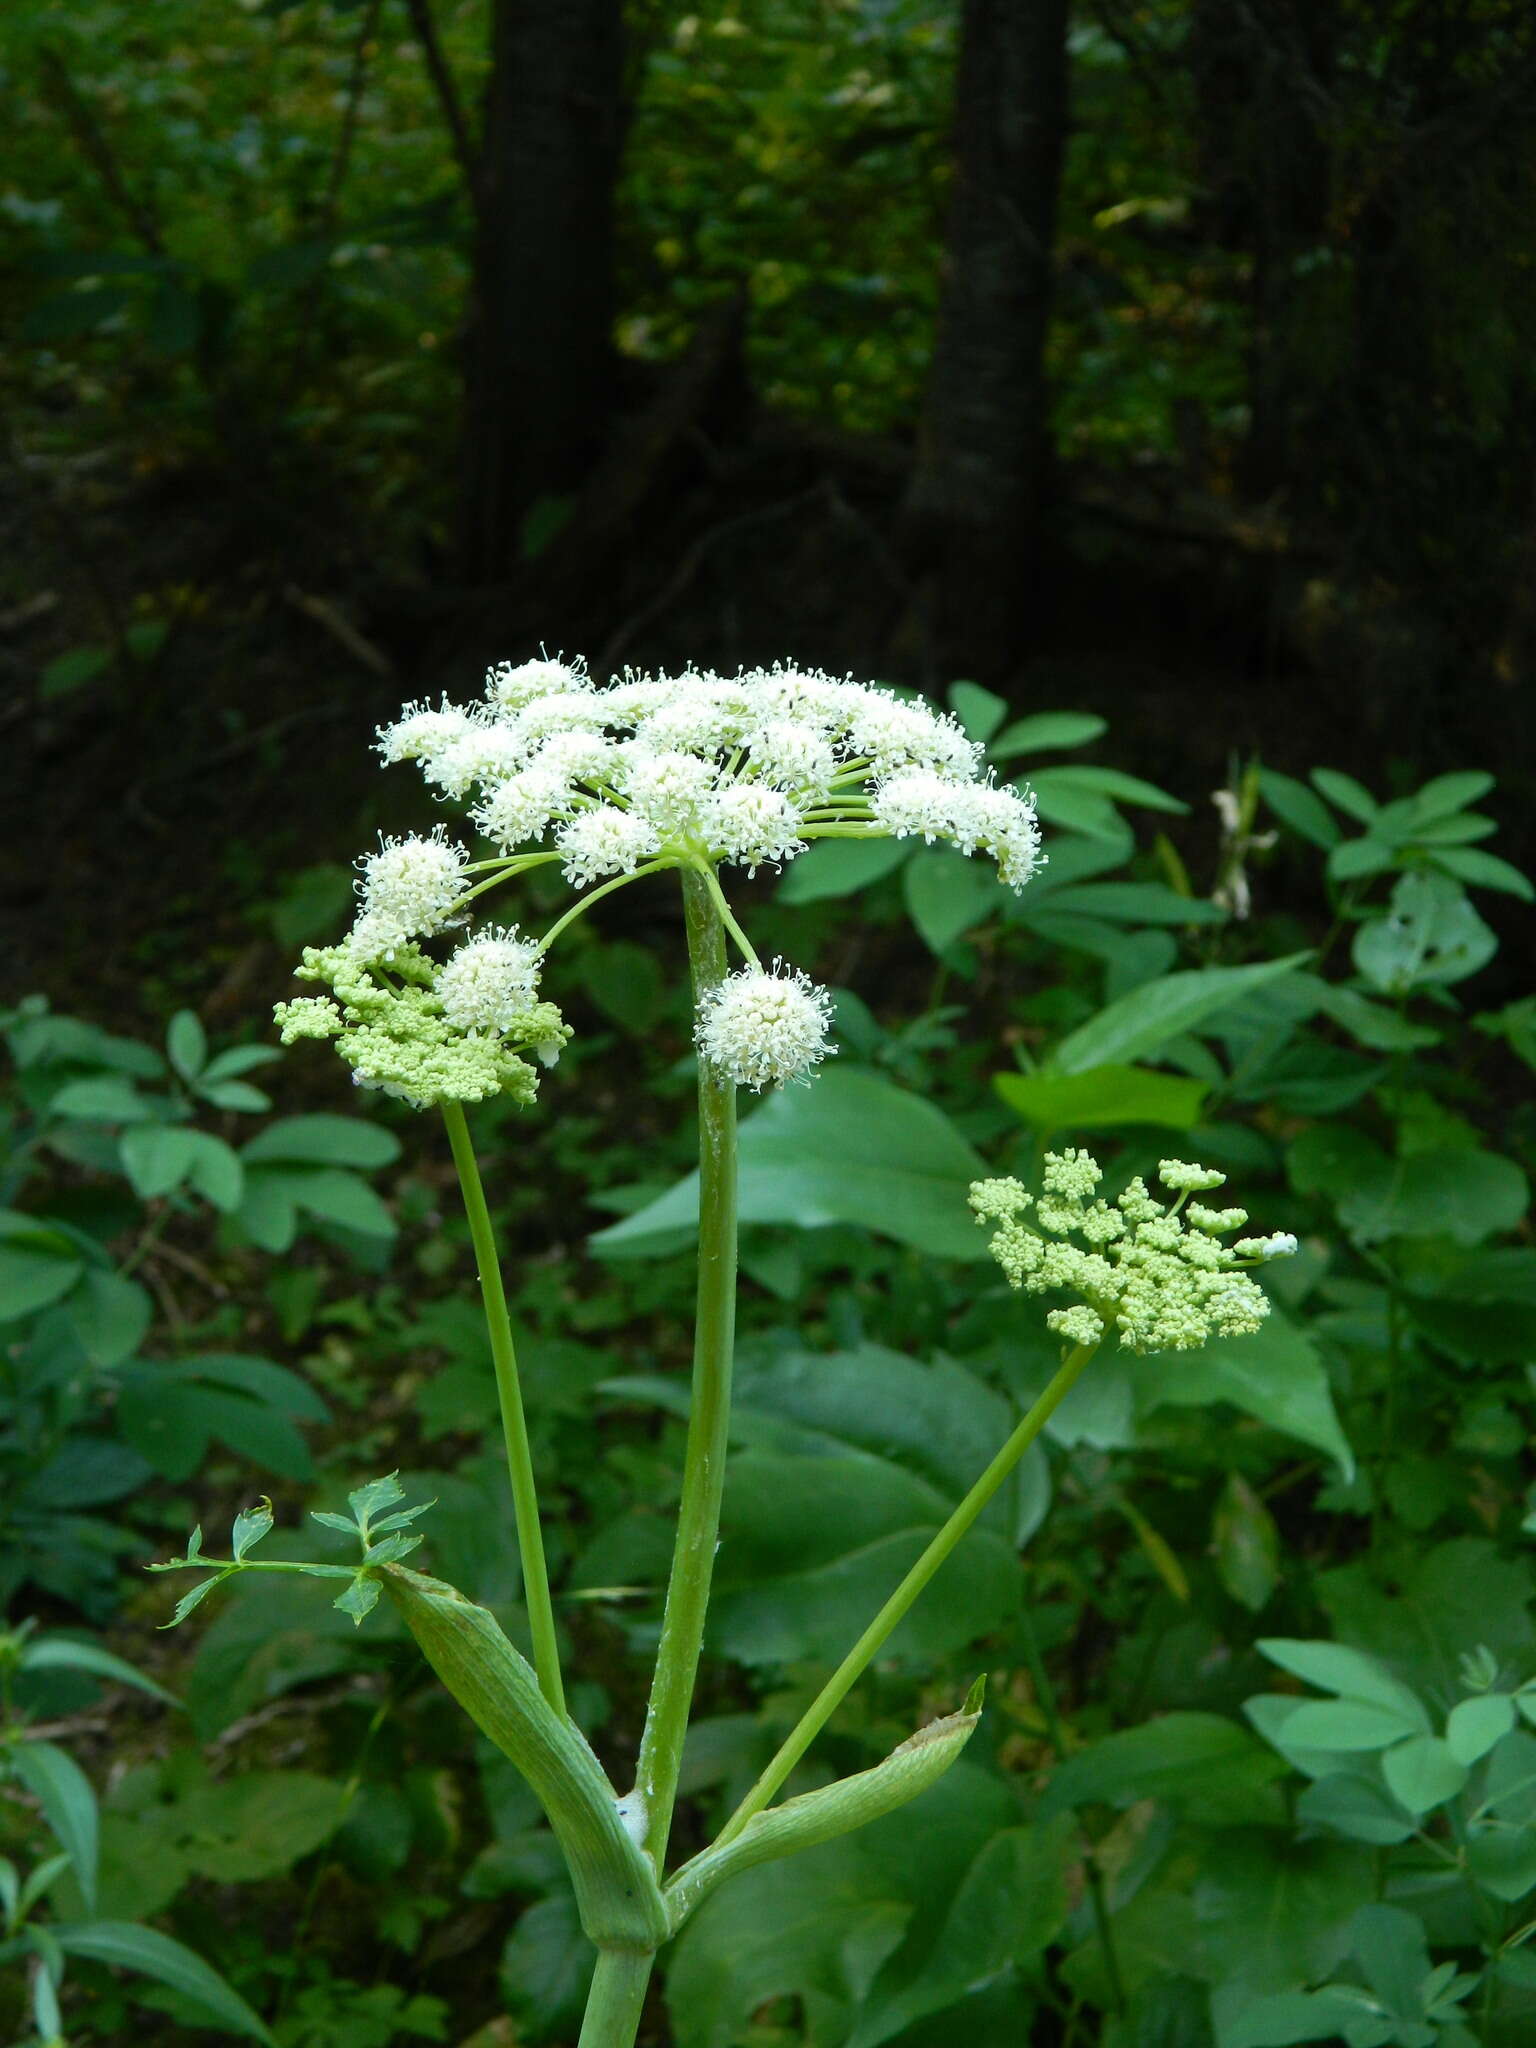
column 525, row 1498
column 698, row 1520
column 821, row 1709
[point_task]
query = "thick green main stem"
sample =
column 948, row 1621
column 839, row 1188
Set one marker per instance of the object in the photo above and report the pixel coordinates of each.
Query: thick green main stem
column 616, row 1999
column 698, row 1521
column 514, row 1425
column 832, row 1694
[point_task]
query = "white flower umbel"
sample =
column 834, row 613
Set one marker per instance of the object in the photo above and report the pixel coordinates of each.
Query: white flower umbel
column 491, row 982
column 511, row 686
column 410, row 889
column 606, row 841
column 761, row 1028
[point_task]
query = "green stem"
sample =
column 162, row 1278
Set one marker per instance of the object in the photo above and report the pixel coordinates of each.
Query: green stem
column 832, row 1694
column 616, row 1999
column 698, row 1518
column 514, row 1425
column 712, row 883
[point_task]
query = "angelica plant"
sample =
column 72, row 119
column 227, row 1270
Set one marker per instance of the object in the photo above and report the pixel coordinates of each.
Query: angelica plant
column 699, row 774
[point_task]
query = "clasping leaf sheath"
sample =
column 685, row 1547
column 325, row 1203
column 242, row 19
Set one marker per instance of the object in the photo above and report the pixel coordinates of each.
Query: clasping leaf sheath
column 617, row 1896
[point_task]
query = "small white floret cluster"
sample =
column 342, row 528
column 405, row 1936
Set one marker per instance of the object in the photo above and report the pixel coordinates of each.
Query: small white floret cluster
column 1159, row 1276
column 761, row 1029
column 746, row 769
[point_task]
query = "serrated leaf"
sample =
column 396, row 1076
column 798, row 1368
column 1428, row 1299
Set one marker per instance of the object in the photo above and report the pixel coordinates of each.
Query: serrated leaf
column 359, row 1598
column 337, row 1522
column 188, row 1601
column 251, row 1525
column 394, row 1548
column 366, row 1500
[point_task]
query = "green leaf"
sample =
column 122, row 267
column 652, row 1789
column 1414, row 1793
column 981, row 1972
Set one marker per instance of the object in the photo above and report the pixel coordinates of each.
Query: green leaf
column 156, row 1157
column 1356, row 1807
column 359, row 1598
column 1046, row 732
column 193, row 1598
column 1336, row 1668
column 323, row 1141
column 1275, row 1912
column 250, row 1525
column 30, row 1280
column 1295, row 805
column 1449, row 793
column 1202, row 1764
column 1346, row 793
column 1275, row 1375
column 337, row 1195
column 1281, row 2019
column 366, row 1501
column 980, row 711
column 110, row 1316
column 60, row 1653
column 186, row 1044
column 216, row 1171
column 1422, row 1773
column 852, row 1148
column 1503, row 1861
column 77, row 666
column 947, row 895
column 546, row 1966
column 1246, row 1543
column 1483, row 871
column 1457, row 1193
column 1103, row 1098
column 1354, row 860
column 1347, row 1724
column 64, row 1793
column 1475, row 1725
column 1145, row 1020
column 104, row 1099
column 127, row 1946
column 1108, row 783
column 1149, row 903
column 841, row 867
column 1430, row 937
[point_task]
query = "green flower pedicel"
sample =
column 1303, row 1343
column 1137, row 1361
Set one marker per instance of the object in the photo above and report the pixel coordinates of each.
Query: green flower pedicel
column 697, row 773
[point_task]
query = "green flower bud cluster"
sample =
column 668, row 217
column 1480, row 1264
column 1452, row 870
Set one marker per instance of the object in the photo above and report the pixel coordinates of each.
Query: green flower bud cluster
column 390, row 1027
column 1160, row 1277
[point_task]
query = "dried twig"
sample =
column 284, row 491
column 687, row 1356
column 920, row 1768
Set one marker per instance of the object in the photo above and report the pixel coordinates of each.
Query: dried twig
column 340, row 629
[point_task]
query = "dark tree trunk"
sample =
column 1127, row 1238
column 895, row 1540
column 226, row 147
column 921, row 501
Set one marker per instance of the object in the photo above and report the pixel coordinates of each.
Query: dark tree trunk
column 540, row 367
column 980, row 483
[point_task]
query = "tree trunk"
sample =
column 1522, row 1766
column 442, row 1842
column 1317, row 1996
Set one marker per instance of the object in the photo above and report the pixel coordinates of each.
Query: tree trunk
column 980, row 482
column 540, row 372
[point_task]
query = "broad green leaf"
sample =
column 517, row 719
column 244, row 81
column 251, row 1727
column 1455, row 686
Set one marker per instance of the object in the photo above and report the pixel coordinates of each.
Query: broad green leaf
column 1422, row 1773
column 1448, row 793
column 215, row 1170
column 1149, row 1017
column 323, row 1141
column 852, row 1148
column 186, row 1044
column 980, row 711
column 156, row 1157
column 1103, row 1098
column 1354, row 860
column 1275, row 1912
column 1475, row 1725
column 1481, row 870
column 841, row 867
column 813, row 1545
column 1346, row 793
column 948, row 895
column 1430, row 936
column 1347, row 1724
column 111, row 1317
column 1047, row 732
column 105, row 1099
column 546, row 1966
column 337, row 1195
column 64, row 1793
column 127, row 1946
column 1107, row 783
column 1356, row 1807
column 1418, row 1613
column 31, row 1279
column 1275, row 1375
column 1336, row 1668
column 1281, row 2019
column 1502, row 1860
column 250, row 1526
column 1298, row 807
column 1202, row 1763
column 1011, row 1904
column 1457, row 1193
